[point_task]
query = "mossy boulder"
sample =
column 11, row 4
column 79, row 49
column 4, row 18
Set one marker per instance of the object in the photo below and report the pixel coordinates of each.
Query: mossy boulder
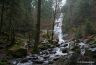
column 45, row 46
column 76, row 49
column 4, row 62
column 19, row 53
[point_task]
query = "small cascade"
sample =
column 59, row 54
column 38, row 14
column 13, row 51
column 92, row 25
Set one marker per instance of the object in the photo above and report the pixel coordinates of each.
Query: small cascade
column 59, row 52
column 82, row 48
column 58, row 28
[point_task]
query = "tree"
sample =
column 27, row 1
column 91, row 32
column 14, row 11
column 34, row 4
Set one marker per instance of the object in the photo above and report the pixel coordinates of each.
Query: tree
column 12, row 19
column 54, row 15
column 76, row 12
column 2, row 13
column 46, row 9
column 37, row 27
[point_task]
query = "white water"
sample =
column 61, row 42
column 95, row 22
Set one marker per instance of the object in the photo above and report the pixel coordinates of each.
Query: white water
column 82, row 48
column 58, row 22
column 27, row 63
column 59, row 52
column 58, row 25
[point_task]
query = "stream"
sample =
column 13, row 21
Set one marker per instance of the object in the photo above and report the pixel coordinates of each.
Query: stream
column 50, row 55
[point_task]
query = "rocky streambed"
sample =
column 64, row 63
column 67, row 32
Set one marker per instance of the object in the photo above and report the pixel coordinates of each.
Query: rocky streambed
column 48, row 56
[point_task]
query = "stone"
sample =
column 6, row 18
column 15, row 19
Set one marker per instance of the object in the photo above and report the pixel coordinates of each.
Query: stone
column 24, row 60
column 38, row 61
column 46, row 63
column 56, row 57
column 51, row 61
column 52, row 52
column 57, row 45
column 46, row 56
column 64, row 51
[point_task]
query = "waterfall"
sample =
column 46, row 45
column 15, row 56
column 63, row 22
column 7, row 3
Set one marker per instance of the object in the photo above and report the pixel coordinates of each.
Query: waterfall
column 58, row 21
column 48, row 56
column 58, row 25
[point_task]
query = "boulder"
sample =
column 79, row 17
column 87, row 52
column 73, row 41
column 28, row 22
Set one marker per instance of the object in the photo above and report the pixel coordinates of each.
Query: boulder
column 19, row 53
column 51, row 61
column 56, row 57
column 64, row 51
column 46, row 56
column 57, row 45
column 38, row 61
column 24, row 60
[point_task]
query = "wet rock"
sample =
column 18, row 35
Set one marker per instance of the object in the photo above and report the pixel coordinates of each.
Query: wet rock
column 35, row 58
column 40, row 58
column 49, row 49
column 46, row 52
column 52, row 46
column 57, row 45
column 34, row 55
column 46, row 56
column 61, row 45
column 20, row 53
column 56, row 57
column 30, row 58
column 27, row 63
column 51, row 61
column 42, row 48
column 64, row 45
column 64, row 51
column 40, row 53
column 24, row 60
column 62, row 48
column 52, row 52
column 46, row 63
column 38, row 61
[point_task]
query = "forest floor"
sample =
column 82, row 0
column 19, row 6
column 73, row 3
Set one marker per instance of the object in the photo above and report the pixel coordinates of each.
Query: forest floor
column 2, row 53
column 62, row 61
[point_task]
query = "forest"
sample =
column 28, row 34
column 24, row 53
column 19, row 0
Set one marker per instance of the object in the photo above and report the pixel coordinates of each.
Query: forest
column 47, row 32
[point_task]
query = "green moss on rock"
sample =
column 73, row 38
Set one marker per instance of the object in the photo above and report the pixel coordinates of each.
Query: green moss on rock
column 19, row 53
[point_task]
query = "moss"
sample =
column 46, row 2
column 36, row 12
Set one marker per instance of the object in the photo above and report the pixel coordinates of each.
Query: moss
column 19, row 53
column 76, row 49
column 4, row 62
column 45, row 46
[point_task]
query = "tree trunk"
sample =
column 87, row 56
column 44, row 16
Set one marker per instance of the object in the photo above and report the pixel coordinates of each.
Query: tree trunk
column 2, row 12
column 37, row 27
column 12, row 32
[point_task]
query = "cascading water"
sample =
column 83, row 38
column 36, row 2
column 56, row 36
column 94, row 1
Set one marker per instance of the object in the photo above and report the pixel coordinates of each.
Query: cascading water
column 58, row 25
column 49, row 55
column 58, row 28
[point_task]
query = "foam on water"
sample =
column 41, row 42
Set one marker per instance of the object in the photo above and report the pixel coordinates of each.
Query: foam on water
column 59, row 52
column 27, row 63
